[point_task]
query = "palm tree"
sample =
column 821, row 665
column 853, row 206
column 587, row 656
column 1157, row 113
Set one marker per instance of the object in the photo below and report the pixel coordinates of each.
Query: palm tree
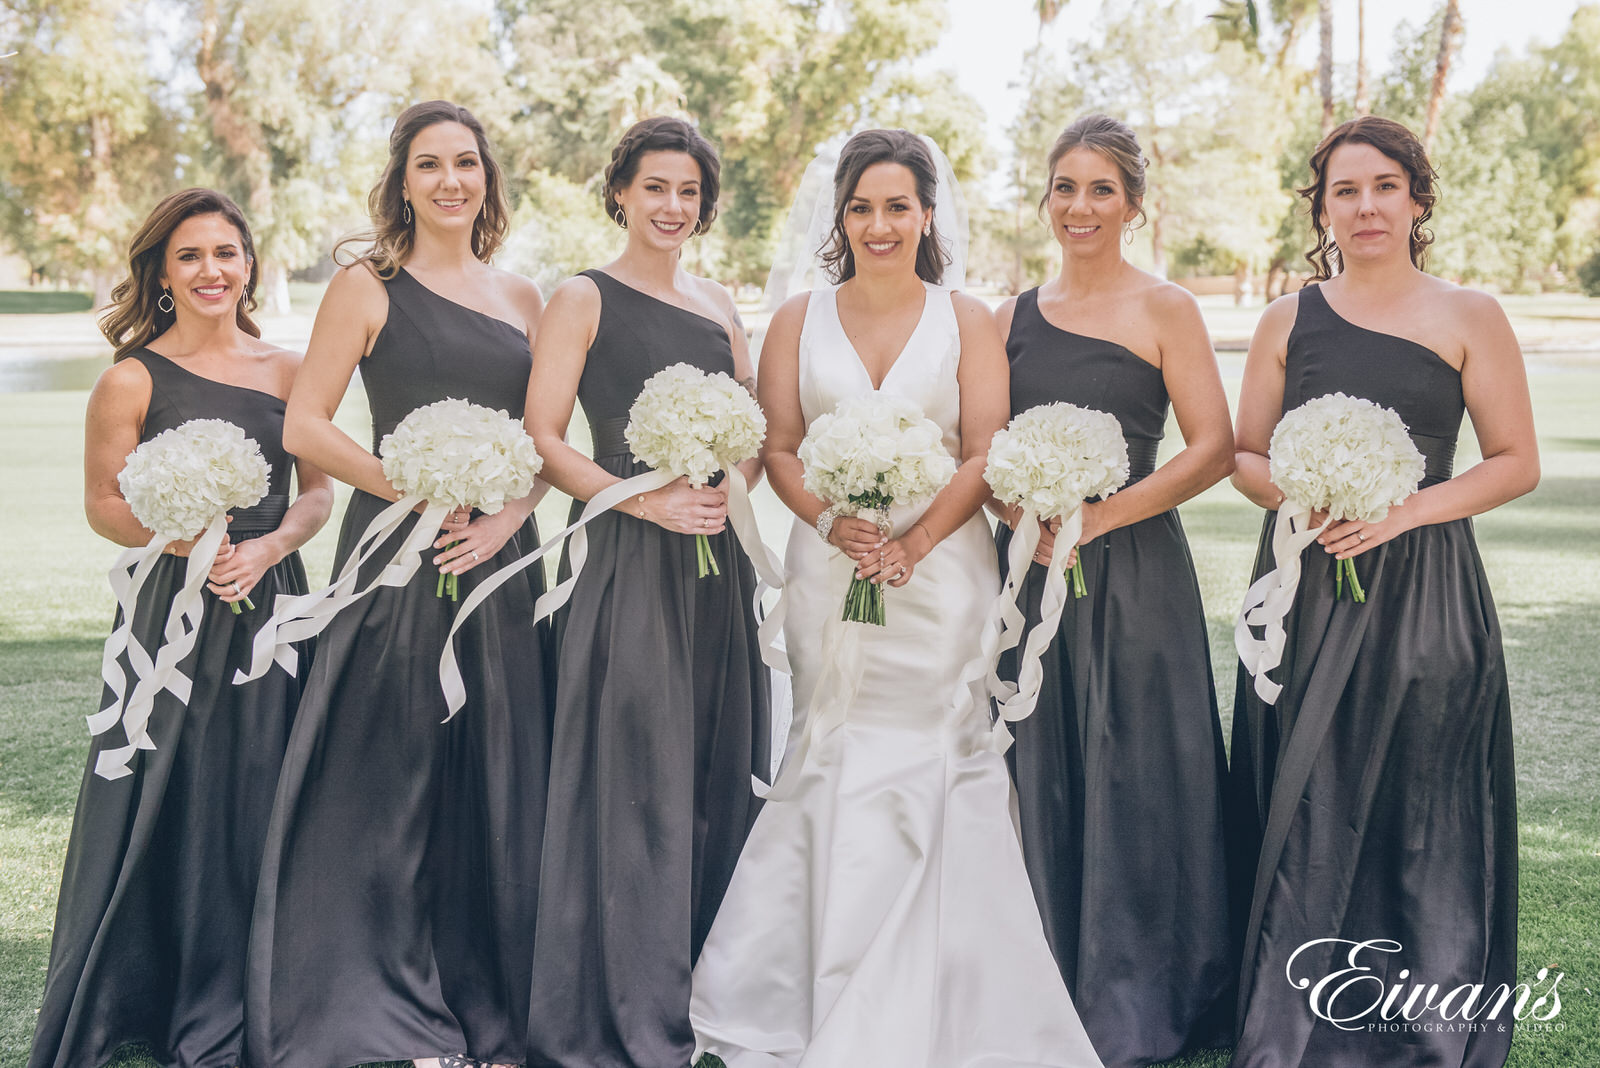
column 1449, row 38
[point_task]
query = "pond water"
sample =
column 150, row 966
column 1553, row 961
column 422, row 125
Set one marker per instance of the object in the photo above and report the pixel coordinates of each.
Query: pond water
column 21, row 372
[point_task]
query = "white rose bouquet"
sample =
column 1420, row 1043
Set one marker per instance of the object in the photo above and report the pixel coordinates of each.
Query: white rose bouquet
column 1344, row 455
column 866, row 454
column 694, row 424
column 180, row 485
column 1052, row 458
column 456, row 454
column 180, row 481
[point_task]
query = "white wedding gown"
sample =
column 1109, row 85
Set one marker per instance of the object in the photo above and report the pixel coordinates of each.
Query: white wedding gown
column 881, row 915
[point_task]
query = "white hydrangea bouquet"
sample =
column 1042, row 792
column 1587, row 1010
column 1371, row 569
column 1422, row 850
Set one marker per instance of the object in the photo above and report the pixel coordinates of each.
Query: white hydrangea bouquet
column 460, row 455
column 866, row 454
column 1052, row 458
column 694, row 424
column 180, row 485
column 1049, row 460
column 1345, row 456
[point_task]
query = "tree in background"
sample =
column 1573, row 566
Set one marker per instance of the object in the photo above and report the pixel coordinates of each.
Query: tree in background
column 83, row 136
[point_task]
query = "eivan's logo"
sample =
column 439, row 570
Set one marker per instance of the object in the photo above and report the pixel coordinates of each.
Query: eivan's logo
column 1353, row 998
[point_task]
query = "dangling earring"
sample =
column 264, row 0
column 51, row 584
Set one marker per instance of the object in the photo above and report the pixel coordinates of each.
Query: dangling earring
column 699, row 228
column 619, row 218
column 405, row 213
column 1127, row 233
column 927, row 228
column 164, row 302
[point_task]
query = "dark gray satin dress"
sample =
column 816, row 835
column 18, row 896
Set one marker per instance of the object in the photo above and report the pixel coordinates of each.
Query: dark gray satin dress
column 160, row 876
column 1120, row 769
column 660, row 718
column 401, row 876
column 1377, row 798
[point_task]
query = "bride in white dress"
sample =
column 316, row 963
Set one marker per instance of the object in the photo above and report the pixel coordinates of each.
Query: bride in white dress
column 880, row 913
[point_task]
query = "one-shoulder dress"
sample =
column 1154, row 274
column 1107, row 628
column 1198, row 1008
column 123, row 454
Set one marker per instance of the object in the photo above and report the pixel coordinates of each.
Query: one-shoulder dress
column 1376, row 798
column 160, row 878
column 661, row 716
column 401, row 876
column 1120, row 768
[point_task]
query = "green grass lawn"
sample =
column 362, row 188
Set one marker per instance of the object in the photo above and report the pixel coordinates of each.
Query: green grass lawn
column 43, row 301
column 1542, row 553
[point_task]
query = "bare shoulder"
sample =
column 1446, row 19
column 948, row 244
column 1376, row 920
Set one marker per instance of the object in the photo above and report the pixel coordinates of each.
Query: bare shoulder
column 1004, row 314
column 970, row 309
column 1473, row 307
column 576, row 295
column 125, row 376
column 1281, row 314
column 122, row 391
column 791, row 314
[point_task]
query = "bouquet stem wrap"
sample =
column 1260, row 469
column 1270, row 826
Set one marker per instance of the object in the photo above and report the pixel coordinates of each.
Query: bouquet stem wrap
column 1269, row 598
column 178, row 639
column 1018, row 700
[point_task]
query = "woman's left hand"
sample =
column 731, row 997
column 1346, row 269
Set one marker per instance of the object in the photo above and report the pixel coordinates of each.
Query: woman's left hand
column 1352, row 537
column 238, row 567
column 468, row 542
column 894, row 561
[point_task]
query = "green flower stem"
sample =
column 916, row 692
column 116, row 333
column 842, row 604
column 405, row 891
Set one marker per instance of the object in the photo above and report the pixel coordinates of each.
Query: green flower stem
column 864, row 603
column 448, row 583
column 706, row 558
column 1347, row 568
column 247, row 603
column 1078, row 588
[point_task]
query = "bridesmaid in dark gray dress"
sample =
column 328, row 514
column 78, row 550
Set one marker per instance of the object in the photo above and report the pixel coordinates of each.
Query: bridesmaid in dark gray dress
column 661, row 705
column 1119, row 771
column 1375, row 799
column 154, row 912
column 401, row 876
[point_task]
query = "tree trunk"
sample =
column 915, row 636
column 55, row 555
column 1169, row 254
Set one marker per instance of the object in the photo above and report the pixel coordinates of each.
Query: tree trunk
column 1325, row 61
column 274, row 295
column 1158, row 248
column 1449, row 37
column 1363, row 104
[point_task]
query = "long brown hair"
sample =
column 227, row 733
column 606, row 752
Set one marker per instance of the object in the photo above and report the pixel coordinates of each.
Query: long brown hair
column 388, row 243
column 860, row 152
column 1395, row 142
column 134, row 318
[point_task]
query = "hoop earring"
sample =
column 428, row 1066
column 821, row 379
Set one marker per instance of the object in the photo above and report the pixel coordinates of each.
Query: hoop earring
column 405, row 213
column 165, row 302
column 619, row 218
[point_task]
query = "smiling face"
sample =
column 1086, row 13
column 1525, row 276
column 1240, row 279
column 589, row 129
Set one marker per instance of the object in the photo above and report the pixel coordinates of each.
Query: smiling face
column 1088, row 204
column 444, row 180
column 883, row 219
column 663, row 201
column 1367, row 204
column 206, row 267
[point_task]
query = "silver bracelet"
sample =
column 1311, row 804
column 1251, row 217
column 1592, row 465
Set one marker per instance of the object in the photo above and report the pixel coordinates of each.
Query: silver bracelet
column 825, row 520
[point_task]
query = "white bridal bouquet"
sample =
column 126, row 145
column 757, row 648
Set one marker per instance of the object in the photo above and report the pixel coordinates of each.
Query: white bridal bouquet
column 1052, row 458
column 1344, row 455
column 866, row 454
column 456, row 454
column 1347, row 456
column 180, row 485
column 181, row 480
column 694, row 424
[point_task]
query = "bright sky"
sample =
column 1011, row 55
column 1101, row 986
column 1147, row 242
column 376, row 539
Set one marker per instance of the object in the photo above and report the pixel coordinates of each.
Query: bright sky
column 986, row 39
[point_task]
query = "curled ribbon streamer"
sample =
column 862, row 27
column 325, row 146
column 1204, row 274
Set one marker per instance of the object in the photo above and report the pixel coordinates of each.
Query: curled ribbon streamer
column 126, row 589
column 1019, row 704
column 296, row 618
column 1269, row 598
column 178, row 638
column 842, row 669
column 455, row 689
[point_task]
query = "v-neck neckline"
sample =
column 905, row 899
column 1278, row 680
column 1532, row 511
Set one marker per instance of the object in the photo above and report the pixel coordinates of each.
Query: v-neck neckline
column 905, row 346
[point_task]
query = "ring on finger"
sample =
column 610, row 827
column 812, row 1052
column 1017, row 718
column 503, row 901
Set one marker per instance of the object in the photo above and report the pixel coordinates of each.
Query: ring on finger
column 1361, row 535
column 474, row 556
column 235, row 585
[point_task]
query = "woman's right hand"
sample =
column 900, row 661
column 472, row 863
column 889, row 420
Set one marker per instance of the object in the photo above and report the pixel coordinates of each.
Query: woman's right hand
column 855, row 537
column 682, row 509
column 184, row 548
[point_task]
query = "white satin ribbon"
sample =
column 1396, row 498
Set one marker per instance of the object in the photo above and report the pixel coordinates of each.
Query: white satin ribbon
column 1269, row 598
column 298, row 617
column 1017, row 701
column 178, row 639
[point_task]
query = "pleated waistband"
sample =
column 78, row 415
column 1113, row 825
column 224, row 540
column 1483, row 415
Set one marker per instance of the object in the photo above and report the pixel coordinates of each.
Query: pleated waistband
column 610, row 438
column 1438, row 457
column 262, row 519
